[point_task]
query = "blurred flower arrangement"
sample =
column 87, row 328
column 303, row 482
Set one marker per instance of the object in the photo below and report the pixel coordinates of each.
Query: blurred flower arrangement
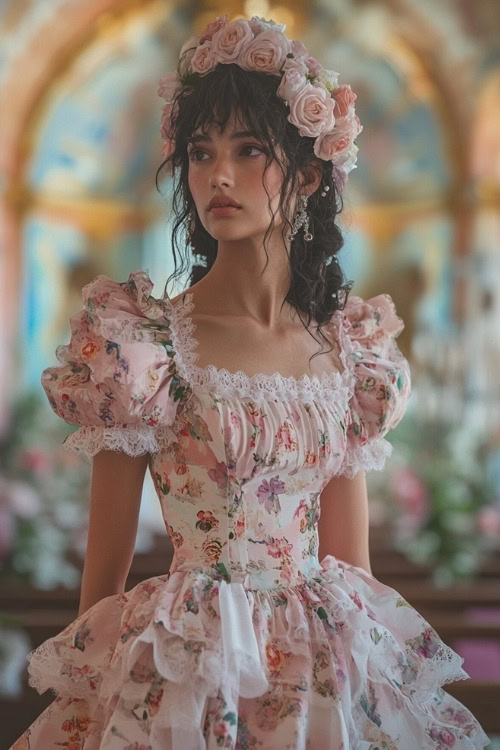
column 440, row 494
column 42, row 499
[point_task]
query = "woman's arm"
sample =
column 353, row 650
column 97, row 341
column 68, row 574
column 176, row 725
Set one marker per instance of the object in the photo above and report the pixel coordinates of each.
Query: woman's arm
column 115, row 498
column 343, row 524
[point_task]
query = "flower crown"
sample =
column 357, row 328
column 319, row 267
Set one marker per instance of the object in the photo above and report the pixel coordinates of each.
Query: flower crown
column 319, row 107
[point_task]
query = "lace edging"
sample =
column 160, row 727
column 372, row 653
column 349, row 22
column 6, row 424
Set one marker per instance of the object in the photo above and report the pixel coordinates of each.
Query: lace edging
column 259, row 386
column 370, row 456
column 135, row 440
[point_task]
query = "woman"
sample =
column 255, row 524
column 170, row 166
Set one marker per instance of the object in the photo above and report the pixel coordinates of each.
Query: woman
column 257, row 444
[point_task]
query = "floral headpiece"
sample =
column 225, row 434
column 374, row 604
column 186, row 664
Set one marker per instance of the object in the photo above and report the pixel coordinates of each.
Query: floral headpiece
column 319, row 107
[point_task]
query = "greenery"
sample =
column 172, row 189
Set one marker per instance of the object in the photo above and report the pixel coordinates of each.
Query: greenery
column 43, row 494
column 440, row 490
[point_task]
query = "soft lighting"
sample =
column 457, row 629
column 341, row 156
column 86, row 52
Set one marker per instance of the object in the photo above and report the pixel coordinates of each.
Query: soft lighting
column 256, row 8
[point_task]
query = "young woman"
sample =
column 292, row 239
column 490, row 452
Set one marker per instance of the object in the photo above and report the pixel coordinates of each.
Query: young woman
column 257, row 443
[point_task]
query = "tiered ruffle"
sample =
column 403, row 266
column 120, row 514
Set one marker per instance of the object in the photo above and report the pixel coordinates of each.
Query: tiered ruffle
column 146, row 662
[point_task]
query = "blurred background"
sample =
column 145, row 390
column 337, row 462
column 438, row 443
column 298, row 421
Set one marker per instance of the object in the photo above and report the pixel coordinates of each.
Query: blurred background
column 79, row 151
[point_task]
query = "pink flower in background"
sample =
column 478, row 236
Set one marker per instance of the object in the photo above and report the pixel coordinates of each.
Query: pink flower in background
column 411, row 494
column 19, row 498
column 38, row 462
column 488, row 521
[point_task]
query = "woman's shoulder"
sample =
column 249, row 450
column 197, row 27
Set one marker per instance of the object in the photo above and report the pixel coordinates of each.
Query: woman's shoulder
column 118, row 368
column 381, row 378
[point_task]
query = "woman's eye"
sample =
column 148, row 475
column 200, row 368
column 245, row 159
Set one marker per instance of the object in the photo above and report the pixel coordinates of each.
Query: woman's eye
column 192, row 153
column 257, row 148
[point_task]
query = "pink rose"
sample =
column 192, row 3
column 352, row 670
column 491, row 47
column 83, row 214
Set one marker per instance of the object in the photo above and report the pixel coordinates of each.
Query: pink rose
column 330, row 144
column 203, row 60
column 291, row 84
column 186, row 54
column 312, row 111
column 228, row 42
column 344, row 97
column 314, row 66
column 266, row 53
column 168, row 149
column 291, row 63
column 346, row 160
column 168, row 85
column 212, row 27
column 298, row 49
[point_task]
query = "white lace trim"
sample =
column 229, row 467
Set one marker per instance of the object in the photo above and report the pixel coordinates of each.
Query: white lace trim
column 135, row 440
column 371, row 456
column 259, row 386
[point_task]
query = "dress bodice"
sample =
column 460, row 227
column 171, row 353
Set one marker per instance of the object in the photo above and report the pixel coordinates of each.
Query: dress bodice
column 238, row 461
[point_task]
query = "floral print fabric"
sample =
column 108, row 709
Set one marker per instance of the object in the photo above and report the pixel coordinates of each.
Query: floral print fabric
column 248, row 641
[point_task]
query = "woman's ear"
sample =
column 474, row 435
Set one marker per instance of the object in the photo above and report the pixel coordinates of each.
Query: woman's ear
column 311, row 178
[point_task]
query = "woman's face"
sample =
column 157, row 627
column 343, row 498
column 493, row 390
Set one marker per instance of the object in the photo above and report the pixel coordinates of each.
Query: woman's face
column 231, row 165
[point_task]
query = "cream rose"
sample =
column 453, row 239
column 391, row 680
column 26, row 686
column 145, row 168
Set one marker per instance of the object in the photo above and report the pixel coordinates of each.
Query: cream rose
column 266, row 53
column 258, row 24
column 203, row 60
column 228, row 42
column 187, row 51
column 312, row 111
column 329, row 79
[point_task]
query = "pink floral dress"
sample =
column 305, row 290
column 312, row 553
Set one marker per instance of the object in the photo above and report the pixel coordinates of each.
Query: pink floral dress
column 248, row 641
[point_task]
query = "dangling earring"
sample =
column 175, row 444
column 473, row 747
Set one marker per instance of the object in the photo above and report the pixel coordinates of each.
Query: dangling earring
column 301, row 219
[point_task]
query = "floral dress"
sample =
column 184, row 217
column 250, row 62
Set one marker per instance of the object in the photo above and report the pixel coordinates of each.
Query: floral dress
column 248, row 641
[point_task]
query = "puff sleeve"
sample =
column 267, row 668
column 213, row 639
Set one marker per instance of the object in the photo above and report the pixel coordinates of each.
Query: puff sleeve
column 381, row 383
column 117, row 378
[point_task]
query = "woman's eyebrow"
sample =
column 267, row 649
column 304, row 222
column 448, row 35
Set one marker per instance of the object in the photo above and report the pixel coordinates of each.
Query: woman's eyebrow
column 234, row 136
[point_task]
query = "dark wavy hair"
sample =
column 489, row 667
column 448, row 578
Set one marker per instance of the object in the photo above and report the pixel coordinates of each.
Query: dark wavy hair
column 318, row 287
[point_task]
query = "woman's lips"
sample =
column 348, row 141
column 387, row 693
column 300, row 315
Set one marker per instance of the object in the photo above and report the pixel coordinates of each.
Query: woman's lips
column 224, row 210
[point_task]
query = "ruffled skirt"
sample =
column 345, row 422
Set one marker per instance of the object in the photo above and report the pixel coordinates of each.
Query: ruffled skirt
column 191, row 661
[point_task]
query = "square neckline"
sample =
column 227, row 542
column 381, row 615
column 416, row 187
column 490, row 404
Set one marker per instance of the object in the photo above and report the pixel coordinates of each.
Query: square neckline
column 268, row 385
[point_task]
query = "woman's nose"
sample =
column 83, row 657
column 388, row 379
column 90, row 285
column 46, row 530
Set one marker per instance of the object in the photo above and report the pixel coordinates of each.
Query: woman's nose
column 222, row 173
